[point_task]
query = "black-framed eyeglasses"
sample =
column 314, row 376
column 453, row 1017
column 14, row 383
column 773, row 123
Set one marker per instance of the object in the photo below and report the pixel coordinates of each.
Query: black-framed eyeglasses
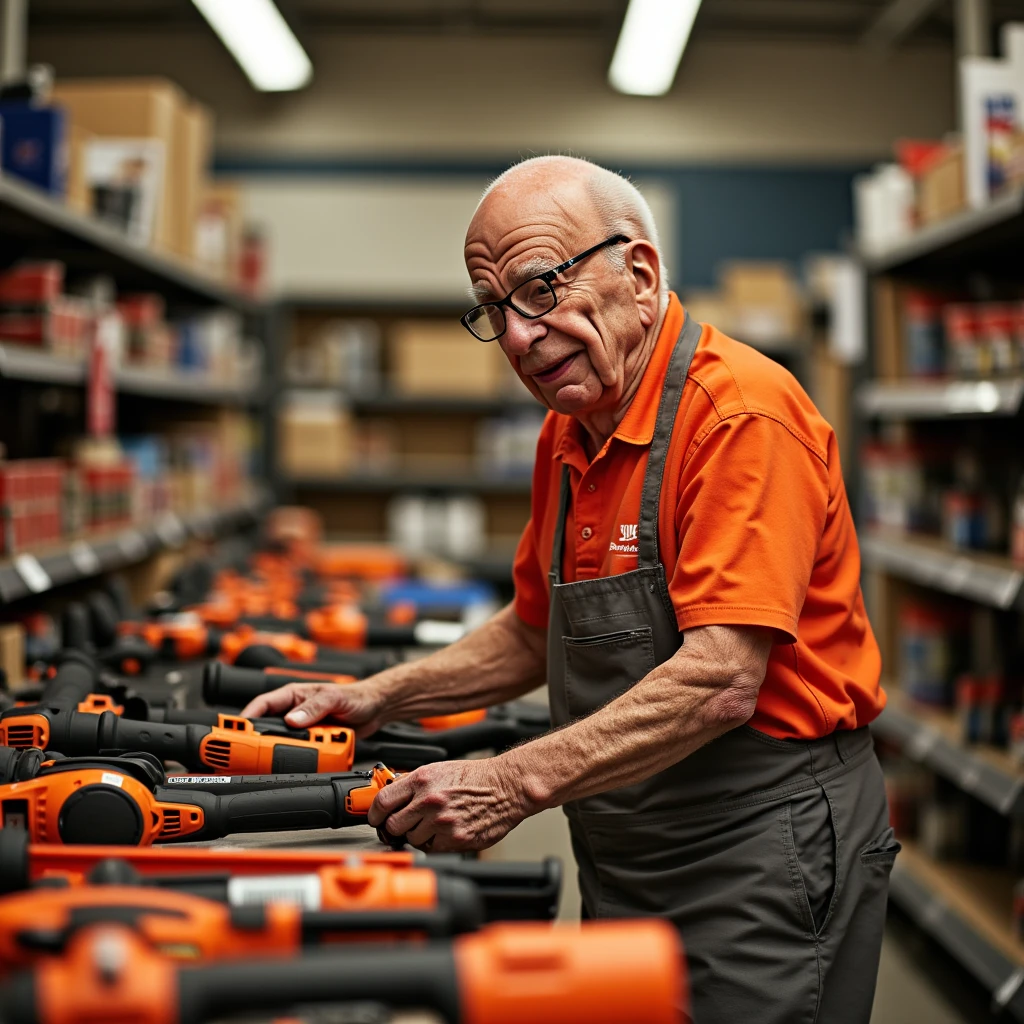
column 532, row 299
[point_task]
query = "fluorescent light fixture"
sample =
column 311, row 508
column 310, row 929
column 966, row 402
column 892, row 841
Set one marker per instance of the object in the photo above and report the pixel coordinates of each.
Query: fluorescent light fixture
column 650, row 46
column 261, row 41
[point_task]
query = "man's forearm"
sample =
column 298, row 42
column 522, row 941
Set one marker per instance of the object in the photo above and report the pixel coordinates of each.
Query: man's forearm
column 501, row 660
column 688, row 701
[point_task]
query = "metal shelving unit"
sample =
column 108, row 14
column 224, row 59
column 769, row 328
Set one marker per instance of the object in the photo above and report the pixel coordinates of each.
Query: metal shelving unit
column 24, row 363
column 32, row 225
column 941, row 399
column 967, row 908
column 28, row 575
column 931, row 736
column 987, row 235
column 958, row 907
column 987, row 579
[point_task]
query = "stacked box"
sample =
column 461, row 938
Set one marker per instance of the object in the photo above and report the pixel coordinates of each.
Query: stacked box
column 107, row 495
column 31, row 500
column 33, row 310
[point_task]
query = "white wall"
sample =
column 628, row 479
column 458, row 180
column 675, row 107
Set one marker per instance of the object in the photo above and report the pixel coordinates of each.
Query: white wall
column 463, row 96
column 360, row 238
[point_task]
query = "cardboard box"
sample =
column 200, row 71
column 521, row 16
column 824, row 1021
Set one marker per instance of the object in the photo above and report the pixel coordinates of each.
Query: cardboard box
column 438, row 358
column 764, row 300
column 887, row 308
column 314, row 437
column 131, row 108
column 76, row 195
column 193, row 145
column 941, row 189
column 34, row 145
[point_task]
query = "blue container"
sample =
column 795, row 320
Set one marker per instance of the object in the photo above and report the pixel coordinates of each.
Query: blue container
column 33, row 141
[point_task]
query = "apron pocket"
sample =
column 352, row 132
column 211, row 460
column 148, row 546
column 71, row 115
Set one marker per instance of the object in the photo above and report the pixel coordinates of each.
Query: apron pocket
column 600, row 668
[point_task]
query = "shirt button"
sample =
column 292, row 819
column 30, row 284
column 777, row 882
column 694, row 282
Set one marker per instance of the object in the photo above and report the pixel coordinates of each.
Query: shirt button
column 591, row 487
column 586, row 533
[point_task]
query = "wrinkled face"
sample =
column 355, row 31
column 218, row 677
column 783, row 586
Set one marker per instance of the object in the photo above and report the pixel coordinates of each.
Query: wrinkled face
column 575, row 359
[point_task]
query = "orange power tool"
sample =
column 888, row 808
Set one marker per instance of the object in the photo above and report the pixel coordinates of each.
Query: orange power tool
column 319, row 879
column 605, row 972
column 128, row 800
column 232, row 746
column 37, row 923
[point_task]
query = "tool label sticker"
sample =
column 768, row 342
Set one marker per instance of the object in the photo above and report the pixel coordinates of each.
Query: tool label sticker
column 301, row 889
column 112, row 779
column 197, row 780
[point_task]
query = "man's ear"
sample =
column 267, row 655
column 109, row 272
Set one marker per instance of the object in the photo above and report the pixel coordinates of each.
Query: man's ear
column 643, row 263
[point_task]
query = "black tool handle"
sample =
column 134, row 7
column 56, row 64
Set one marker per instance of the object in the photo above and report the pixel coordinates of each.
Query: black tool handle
column 84, row 734
column 511, row 890
column 76, row 677
column 75, row 630
column 350, row 663
column 104, row 616
column 317, row 802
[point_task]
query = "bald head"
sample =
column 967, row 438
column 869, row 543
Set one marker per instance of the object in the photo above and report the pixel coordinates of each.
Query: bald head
column 579, row 339
column 603, row 203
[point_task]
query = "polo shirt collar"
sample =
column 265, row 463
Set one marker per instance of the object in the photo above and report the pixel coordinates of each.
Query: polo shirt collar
column 637, row 426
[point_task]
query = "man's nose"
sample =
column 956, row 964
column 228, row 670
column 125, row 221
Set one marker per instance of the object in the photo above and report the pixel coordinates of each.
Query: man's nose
column 521, row 333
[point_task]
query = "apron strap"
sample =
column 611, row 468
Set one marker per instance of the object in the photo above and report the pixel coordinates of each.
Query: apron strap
column 555, row 572
column 650, row 499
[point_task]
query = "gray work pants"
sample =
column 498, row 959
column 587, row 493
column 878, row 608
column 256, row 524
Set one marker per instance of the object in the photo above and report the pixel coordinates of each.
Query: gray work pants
column 779, row 893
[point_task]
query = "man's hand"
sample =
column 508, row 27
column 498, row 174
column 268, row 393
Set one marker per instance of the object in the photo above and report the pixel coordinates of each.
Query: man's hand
column 358, row 705
column 451, row 805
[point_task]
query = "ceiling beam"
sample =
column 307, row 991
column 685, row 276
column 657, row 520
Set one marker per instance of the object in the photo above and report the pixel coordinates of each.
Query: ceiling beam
column 896, row 20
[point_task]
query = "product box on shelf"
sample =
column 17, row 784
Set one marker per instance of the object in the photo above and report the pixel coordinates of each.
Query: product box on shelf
column 314, row 435
column 941, row 190
column 33, row 144
column 218, row 230
column 193, row 144
column 132, row 109
column 441, row 359
column 32, row 283
column 934, row 648
column 31, row 503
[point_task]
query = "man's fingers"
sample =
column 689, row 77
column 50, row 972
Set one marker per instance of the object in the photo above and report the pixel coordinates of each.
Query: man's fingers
column 419, row 834
column 390, row 799
column 272, row 703
column 315, row 707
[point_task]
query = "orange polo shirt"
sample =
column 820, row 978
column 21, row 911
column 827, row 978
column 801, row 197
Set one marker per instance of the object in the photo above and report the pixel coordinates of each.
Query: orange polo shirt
column 754, row 526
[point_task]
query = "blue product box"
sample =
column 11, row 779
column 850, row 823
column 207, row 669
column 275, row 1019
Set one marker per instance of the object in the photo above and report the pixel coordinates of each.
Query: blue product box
column 33, row 141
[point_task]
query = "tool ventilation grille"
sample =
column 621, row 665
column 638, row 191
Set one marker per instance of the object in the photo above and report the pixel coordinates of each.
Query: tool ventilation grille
column 21, row 737
column 172, row 822
column 218, row 754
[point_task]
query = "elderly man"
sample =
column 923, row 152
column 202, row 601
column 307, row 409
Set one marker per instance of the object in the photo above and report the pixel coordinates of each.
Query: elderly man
column 688, row 587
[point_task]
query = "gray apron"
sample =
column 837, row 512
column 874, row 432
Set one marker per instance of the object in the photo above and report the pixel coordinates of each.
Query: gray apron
column 771, row 856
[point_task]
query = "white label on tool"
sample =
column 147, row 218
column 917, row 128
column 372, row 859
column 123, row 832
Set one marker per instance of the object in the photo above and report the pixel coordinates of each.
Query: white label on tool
column 32, row 573
column 301, row 889
column 112, row 779
column 83, row 558
column 196, row 780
